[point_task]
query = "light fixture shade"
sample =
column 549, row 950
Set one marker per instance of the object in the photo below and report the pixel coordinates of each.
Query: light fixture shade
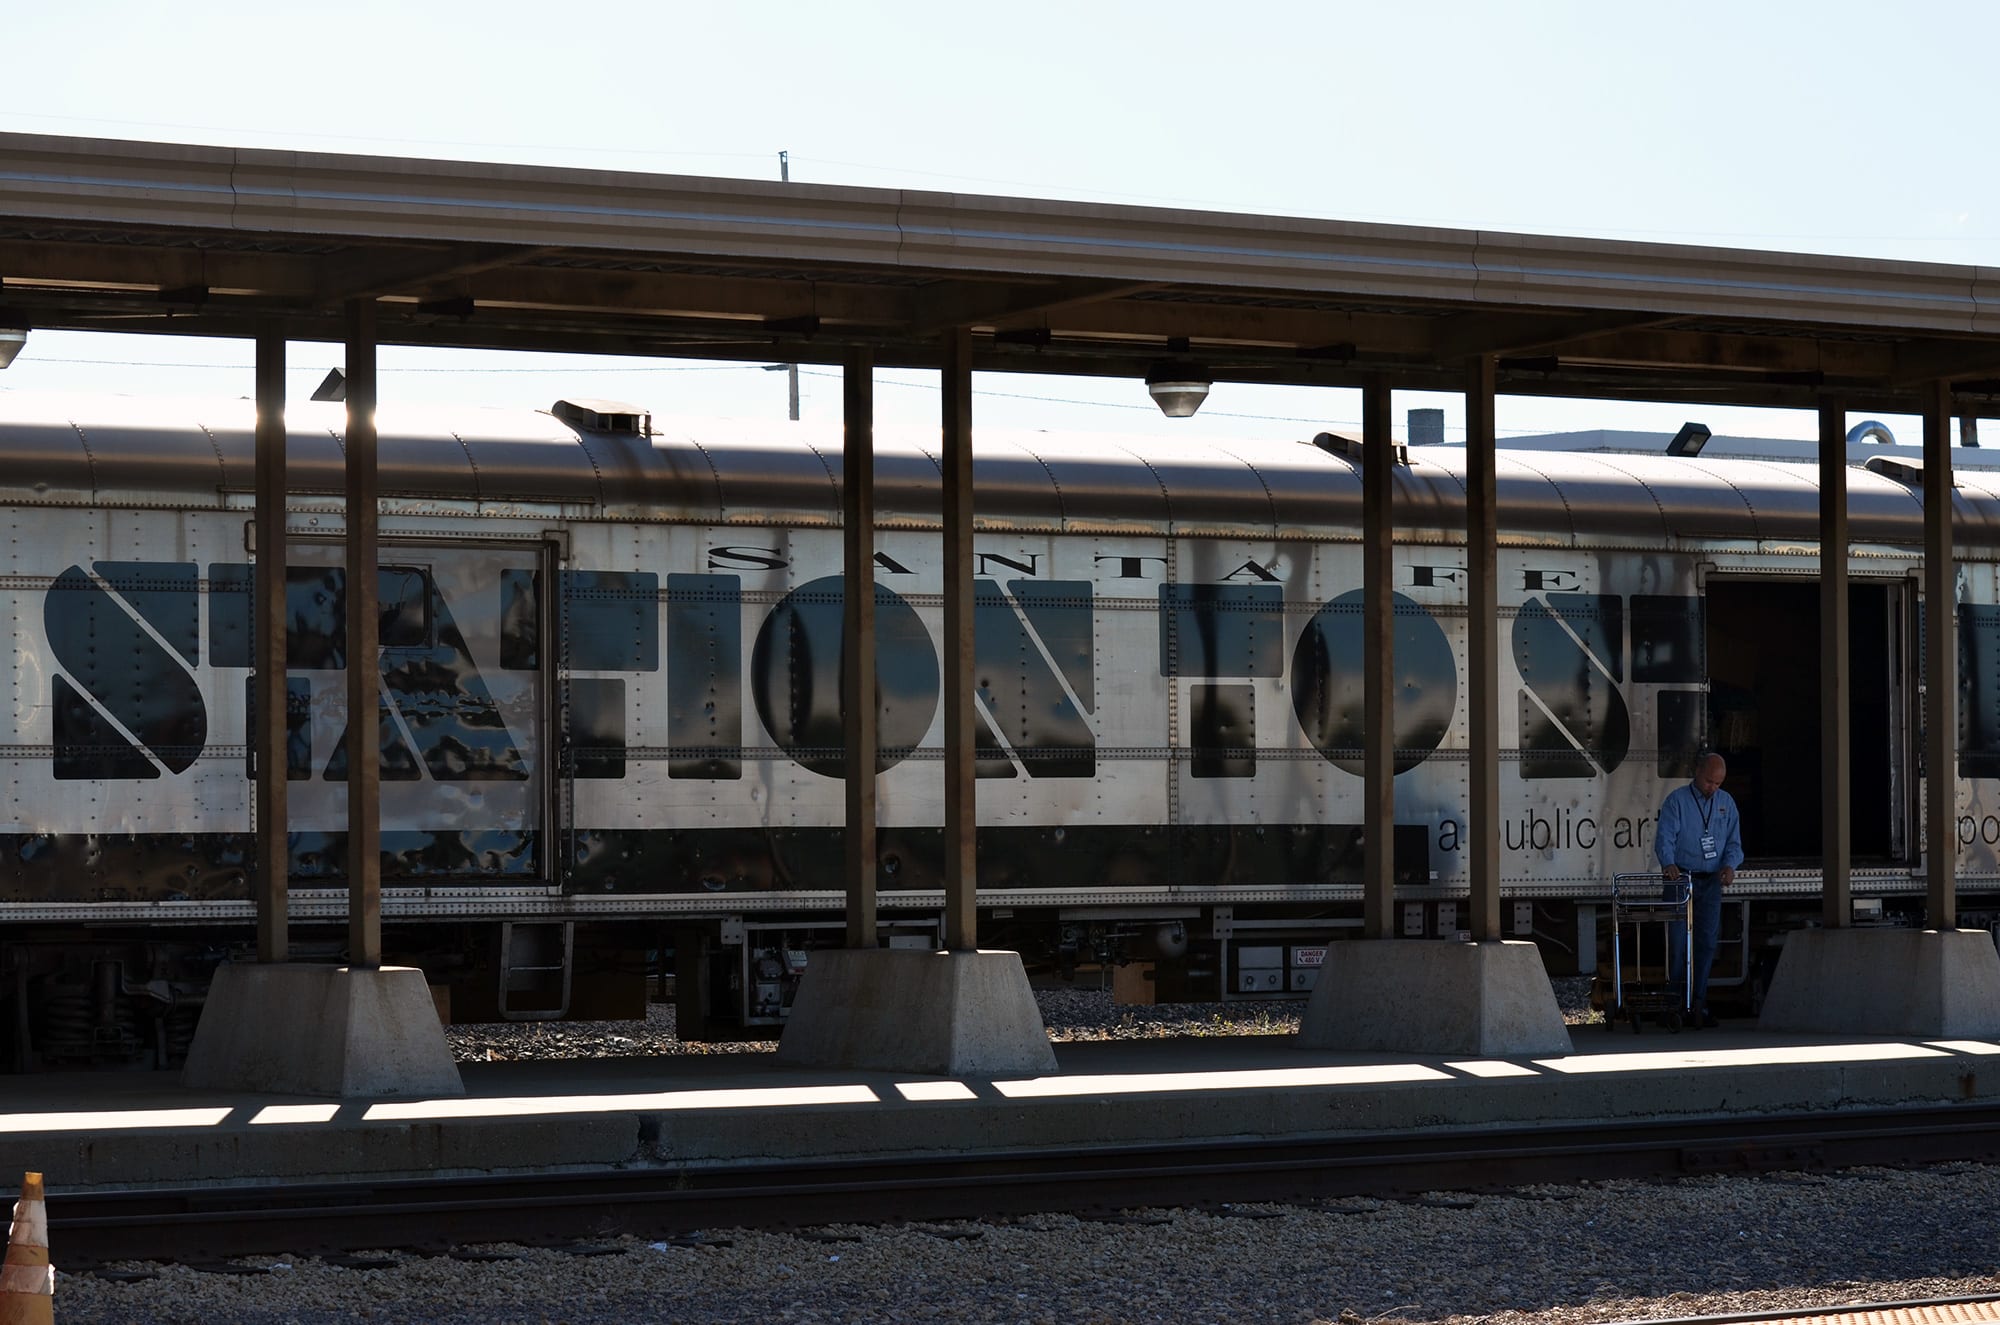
column 1689, row 440
column 1177, row 388
column 1178, row 400
column 12, row 341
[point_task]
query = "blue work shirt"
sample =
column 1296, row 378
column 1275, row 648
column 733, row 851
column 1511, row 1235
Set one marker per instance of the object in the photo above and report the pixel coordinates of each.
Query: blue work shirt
column 1686, row 819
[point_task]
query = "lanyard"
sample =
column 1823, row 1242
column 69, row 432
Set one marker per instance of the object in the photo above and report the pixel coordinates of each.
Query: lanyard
column 1707, row 808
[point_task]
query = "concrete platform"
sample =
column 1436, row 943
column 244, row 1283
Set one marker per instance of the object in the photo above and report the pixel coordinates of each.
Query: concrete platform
column 140, row 1129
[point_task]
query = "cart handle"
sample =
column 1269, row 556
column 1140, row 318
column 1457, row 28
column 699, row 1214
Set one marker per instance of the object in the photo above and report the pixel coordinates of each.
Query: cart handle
column 1654, row 881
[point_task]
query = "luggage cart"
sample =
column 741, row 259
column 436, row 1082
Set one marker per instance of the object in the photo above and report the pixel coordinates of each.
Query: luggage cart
column 1649, row 905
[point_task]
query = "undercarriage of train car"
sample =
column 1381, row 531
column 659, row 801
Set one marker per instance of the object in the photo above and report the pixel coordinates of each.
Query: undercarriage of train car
column 100, row 998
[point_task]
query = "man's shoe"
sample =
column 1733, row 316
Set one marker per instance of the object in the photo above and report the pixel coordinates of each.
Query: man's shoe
column 1706, row 1019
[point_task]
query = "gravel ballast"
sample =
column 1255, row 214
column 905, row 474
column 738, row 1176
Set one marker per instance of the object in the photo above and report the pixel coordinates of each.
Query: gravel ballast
column 1560, row 1256
column 1564, row 1256
column 1068, row 1013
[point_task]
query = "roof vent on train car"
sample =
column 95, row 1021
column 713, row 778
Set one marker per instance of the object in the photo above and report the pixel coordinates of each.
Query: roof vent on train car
column 1902, row 471
column 604, row 416
column 1871, row 430
column 1350, row 448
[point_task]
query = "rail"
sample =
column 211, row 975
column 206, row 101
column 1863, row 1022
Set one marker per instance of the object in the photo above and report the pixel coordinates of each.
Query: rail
column 212, row 1223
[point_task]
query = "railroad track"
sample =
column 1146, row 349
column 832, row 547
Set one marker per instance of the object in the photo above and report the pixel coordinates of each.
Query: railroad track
column 1929, row 1310
column 207, row 1224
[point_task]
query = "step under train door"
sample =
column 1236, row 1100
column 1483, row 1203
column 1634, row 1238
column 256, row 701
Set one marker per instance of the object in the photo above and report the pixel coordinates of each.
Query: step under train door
column 468, row 795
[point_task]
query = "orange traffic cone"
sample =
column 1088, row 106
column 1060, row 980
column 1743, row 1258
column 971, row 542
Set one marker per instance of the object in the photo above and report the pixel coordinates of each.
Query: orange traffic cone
column 27, row 1280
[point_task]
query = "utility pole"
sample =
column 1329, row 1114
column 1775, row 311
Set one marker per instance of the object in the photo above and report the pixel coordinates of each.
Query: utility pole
column 791, row 369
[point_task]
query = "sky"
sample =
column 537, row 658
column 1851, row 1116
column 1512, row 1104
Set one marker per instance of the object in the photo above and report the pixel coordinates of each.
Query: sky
column 1825, row 127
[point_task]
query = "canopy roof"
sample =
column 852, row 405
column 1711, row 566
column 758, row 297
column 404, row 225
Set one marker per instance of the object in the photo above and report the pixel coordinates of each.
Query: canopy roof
column 151, row 237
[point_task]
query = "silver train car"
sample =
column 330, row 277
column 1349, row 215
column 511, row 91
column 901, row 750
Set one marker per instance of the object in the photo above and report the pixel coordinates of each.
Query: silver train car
column 610, row 720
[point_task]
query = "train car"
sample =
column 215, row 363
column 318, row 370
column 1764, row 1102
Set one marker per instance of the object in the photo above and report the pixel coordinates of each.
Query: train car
column 610, row 720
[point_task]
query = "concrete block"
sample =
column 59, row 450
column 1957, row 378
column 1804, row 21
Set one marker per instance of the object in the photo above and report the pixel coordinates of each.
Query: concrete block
column 895, row 1010
column 1433, row 997
column 300, row 1029
column 1936, row 984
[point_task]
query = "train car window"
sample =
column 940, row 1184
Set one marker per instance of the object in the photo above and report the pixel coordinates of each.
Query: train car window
column 1681, row 718
column 396, row 761
column 520, row 620
column 1061, row 612
column 1667, row 633
column 795, row 676
column 115, row 669
column 403, row 595
column 1223, row 731
column 1573, row 718
column 1328, row 667
column 611, row 620
column 1598, row 621
column 163, row 595
column 1222, row 630
column 597, row 727
column 1978, row 691
column 315, row 614
column 704, row 677
column 1026, row 697
column 298, row 728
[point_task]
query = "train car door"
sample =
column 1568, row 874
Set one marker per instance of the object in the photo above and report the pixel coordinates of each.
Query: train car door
column 465, row 787
column 1764, row 715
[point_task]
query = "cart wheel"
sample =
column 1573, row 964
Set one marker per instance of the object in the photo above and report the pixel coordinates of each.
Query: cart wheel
column 1674, row 1022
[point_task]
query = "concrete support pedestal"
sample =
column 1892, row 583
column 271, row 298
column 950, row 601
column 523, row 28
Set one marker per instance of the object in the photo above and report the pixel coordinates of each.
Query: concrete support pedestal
column 936, row 1013
column 1932, row 983
column 299, row 1029
column 1430, row 997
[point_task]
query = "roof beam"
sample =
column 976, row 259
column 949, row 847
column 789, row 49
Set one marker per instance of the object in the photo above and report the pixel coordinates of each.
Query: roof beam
column 1248, row 324
column 1932, row 361
column 992, row 304
column 371, row 273
column 1463, row 335
column 659, row 294
column 58, row 265
column 1730, row 353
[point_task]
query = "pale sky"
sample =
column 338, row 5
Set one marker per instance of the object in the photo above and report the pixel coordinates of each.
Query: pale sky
column 1852, row 128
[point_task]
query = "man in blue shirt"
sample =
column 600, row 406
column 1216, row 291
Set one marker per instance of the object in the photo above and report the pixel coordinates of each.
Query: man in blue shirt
column 1700, row 835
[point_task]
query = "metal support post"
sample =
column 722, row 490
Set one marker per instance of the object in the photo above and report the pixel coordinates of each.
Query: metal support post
column 364, row 670
column 1835, row 670
column 1940, row 665
column 1482, row 649
column 273, row 848
column 1378, row 830
column 857, row 656
column 961, row 870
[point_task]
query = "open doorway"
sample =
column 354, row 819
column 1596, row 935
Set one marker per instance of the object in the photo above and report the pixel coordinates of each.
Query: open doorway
column 1763, row 711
